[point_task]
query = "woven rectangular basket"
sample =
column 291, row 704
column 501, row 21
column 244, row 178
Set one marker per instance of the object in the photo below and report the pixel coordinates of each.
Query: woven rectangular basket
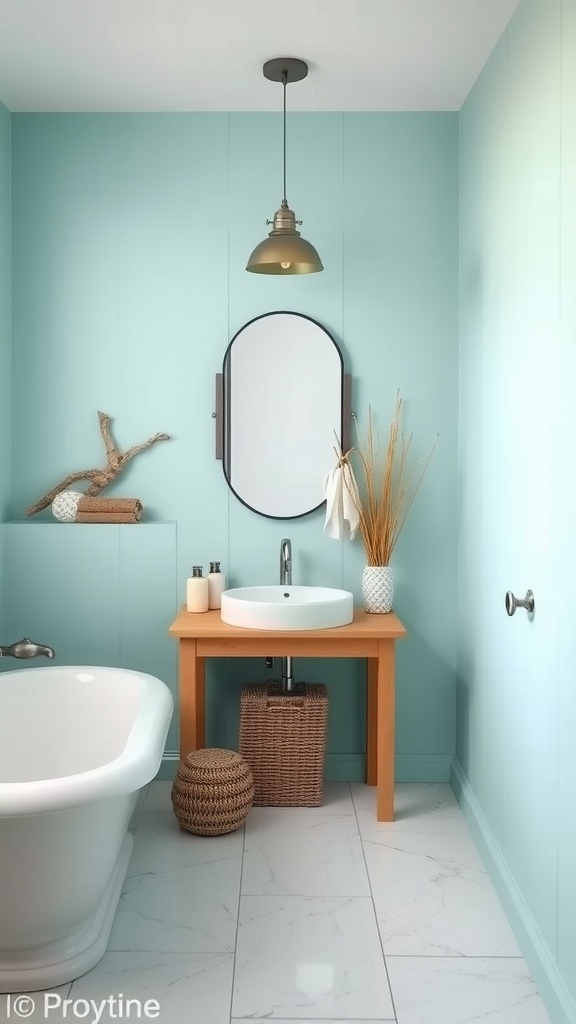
column 283, row 738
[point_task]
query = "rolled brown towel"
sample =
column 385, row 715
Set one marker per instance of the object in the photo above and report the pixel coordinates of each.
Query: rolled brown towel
column 131, row 505
column 108, row 517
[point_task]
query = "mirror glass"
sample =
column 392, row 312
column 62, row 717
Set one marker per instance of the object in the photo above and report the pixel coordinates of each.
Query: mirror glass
column 282, row 413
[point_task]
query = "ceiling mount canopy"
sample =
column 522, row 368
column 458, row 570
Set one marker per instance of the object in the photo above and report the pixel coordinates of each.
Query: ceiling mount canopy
column 284, row 251
column 294, row 68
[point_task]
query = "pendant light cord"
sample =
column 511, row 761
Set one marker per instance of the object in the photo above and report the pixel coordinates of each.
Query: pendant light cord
column 284, row 83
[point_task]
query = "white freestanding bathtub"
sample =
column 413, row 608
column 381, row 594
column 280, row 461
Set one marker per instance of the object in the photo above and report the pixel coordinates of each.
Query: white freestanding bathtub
column 76, row 745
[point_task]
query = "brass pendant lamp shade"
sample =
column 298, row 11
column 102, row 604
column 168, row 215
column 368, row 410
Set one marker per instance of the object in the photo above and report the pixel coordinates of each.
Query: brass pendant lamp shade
column 284, row 251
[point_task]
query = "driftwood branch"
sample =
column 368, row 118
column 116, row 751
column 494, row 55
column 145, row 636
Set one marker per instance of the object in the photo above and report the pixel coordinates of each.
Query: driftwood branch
column 99, row 478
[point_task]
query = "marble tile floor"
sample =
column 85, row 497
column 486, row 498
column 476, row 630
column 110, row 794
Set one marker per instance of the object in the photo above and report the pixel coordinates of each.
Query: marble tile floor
column 310, row 915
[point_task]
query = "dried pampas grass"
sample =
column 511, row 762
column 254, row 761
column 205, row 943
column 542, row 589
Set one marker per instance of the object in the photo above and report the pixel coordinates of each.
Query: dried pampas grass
column 387, row 487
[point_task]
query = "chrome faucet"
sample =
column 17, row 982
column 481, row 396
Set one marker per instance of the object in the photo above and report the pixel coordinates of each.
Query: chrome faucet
column 285, row 562
column 286, row 581
column 26, row 648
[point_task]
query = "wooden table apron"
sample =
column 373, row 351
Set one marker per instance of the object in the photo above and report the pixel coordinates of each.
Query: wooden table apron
column 372, row 637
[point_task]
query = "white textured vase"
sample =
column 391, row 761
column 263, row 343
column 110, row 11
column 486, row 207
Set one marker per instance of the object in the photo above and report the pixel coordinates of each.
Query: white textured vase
column 377, row 588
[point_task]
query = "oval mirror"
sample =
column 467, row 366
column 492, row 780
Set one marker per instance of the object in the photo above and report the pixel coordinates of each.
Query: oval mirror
column 282, row 413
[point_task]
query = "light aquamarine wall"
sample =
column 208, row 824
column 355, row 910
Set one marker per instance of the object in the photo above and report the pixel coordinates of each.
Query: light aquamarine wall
column 5, row 326
column 130, row 237
column 516, row 693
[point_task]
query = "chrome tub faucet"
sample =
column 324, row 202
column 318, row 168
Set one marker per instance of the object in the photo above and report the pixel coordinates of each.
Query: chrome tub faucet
column 26, row 648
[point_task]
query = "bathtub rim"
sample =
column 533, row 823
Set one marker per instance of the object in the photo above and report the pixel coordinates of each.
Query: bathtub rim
column 133, row 768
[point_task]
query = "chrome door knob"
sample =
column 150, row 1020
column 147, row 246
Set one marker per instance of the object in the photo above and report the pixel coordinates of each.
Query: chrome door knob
column 512, row 603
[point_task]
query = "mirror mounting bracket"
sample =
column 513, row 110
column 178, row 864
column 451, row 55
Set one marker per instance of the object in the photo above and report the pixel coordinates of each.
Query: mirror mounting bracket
column 346, row 411
column 218, row 416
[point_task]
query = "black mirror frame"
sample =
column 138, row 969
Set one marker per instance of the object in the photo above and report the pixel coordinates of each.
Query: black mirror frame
column 222, row 420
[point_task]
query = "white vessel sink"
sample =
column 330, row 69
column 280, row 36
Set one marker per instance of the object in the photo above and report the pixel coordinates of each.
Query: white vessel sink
column 287, row 608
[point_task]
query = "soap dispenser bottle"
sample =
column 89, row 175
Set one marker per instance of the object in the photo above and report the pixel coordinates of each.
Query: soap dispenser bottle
column 197, row 591
column 216, row 584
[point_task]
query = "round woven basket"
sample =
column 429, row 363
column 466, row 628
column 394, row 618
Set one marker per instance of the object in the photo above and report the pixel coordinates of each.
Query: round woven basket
column 212, row 792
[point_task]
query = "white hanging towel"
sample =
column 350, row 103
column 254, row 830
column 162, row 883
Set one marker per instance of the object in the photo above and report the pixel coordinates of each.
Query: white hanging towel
column 341, row 493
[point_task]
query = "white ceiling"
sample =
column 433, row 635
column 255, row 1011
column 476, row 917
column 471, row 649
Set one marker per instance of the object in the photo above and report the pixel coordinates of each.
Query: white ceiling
column 160, row 55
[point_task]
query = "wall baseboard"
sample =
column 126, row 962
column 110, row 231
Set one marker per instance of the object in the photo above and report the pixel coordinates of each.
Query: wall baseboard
column 168, row 766
column 352, row 767
column 422, row 767
column 544, row 969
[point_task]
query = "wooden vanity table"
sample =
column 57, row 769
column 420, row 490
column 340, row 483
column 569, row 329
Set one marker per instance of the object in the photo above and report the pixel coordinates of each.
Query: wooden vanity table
column 372, row 637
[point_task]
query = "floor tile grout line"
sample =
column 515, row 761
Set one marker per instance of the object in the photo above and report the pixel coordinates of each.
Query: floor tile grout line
column 374, row 907
column 235, row 950
column 454, row 956
column 302, row 896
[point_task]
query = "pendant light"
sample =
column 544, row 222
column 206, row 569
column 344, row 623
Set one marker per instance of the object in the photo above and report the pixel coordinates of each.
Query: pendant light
column 284, row 251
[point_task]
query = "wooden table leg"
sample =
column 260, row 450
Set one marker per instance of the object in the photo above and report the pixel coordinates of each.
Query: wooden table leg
column 371, row 721
column 192, row 697
column 385, row 731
